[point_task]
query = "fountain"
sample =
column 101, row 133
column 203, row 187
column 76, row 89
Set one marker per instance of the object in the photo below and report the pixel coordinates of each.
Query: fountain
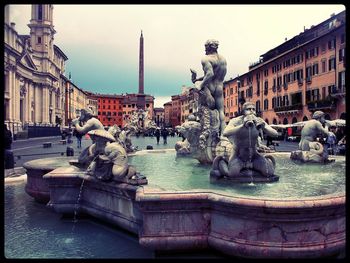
column 178, row 207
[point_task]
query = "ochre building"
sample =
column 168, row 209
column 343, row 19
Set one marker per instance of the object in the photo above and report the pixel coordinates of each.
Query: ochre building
column 296, row 78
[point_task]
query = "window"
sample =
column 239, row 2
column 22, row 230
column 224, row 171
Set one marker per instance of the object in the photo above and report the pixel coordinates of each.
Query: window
column 341, row 81
column 266, row 72
column 39, row 40
column 331, row 43
column 315, row 69
column 274, row 102
column 331, row 64
column 315, row 95
column 279, row 81
column 342, row 39
column 257, row 106
column 323, row 66
column 341, row 54
column 266, row 104
column 266, row 87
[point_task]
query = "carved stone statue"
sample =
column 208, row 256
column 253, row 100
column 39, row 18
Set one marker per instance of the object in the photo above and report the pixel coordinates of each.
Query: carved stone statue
column 309, row 149
column 89, row 123
column 106, row 159
column 211, row 103
column 211, row 85
column 245, row 163
column 191, row 130
column 125, row 138
column 110, row 160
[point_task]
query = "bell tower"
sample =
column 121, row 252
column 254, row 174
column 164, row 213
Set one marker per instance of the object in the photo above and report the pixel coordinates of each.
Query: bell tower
column 41, row 29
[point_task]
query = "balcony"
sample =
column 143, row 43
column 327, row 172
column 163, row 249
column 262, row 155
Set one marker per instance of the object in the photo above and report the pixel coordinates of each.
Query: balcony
column 337, row 92
column 285, row 86
column 321, row 104
column 288, row 109
column 308, row 79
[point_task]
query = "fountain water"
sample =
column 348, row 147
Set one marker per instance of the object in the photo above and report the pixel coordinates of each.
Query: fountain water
column 77, row 204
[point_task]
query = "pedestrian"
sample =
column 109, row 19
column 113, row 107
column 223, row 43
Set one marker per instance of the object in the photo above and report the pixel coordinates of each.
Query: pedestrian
column 79, row 137
column 268, row 141
column 289, row 132
column 157, row 134
column 8, row 138
column 165, row 135
column 331, row 141
column 342, row 146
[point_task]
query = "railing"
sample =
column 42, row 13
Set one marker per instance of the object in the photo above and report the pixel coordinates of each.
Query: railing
column 285, row 86
column 308, row 79
column 300, row 82
column 321, row 104
column 337, row 91
column 297, row 106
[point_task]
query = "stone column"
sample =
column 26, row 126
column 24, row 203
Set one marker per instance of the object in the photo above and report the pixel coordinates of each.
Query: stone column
column 45, row 107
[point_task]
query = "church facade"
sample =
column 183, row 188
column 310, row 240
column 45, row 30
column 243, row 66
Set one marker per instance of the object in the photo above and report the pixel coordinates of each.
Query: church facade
column 34, row 67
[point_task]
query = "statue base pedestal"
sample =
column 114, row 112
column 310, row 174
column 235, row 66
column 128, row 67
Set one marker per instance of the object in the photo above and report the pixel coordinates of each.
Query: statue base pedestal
column 246, row 176
column 309, row 157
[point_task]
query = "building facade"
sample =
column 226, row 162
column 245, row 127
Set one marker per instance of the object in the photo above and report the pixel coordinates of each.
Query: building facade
column 293, row 80
column 175, row 118
column 110, row 109
column 167, row 113
column 77, row 100
column 35, row 85
column 158, row 117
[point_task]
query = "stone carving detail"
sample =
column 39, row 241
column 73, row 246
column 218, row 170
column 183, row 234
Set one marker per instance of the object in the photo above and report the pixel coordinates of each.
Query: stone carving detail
column 23, row 91
column 309, row 149
column 106, row 158
column 210, row 104
column 245, row 163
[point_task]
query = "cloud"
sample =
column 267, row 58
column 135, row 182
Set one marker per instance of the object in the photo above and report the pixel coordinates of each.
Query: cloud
column 102, row 41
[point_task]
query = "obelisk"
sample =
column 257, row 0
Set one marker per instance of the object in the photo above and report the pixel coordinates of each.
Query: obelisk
column 140, row 96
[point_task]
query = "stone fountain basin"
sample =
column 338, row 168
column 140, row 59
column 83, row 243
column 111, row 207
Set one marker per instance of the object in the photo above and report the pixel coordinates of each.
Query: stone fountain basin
column 36, row 186
column 196, row 219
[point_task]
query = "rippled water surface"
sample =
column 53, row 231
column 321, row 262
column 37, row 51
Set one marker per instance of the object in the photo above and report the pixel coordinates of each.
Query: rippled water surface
column 168, row 172
column 32, row 230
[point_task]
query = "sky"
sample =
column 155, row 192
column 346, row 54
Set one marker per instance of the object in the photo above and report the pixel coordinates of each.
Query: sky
column 102, row 41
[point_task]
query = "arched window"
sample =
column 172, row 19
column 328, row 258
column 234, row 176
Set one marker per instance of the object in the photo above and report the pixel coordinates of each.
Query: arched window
column 294, row 120
column 305, row 118
column 327, row 117
column 267, row 121
column 342, row 116
column 285, row 121
column 274, row 121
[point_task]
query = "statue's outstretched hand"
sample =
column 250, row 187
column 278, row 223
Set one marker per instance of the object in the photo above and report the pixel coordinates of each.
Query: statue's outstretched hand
column 194, row 75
